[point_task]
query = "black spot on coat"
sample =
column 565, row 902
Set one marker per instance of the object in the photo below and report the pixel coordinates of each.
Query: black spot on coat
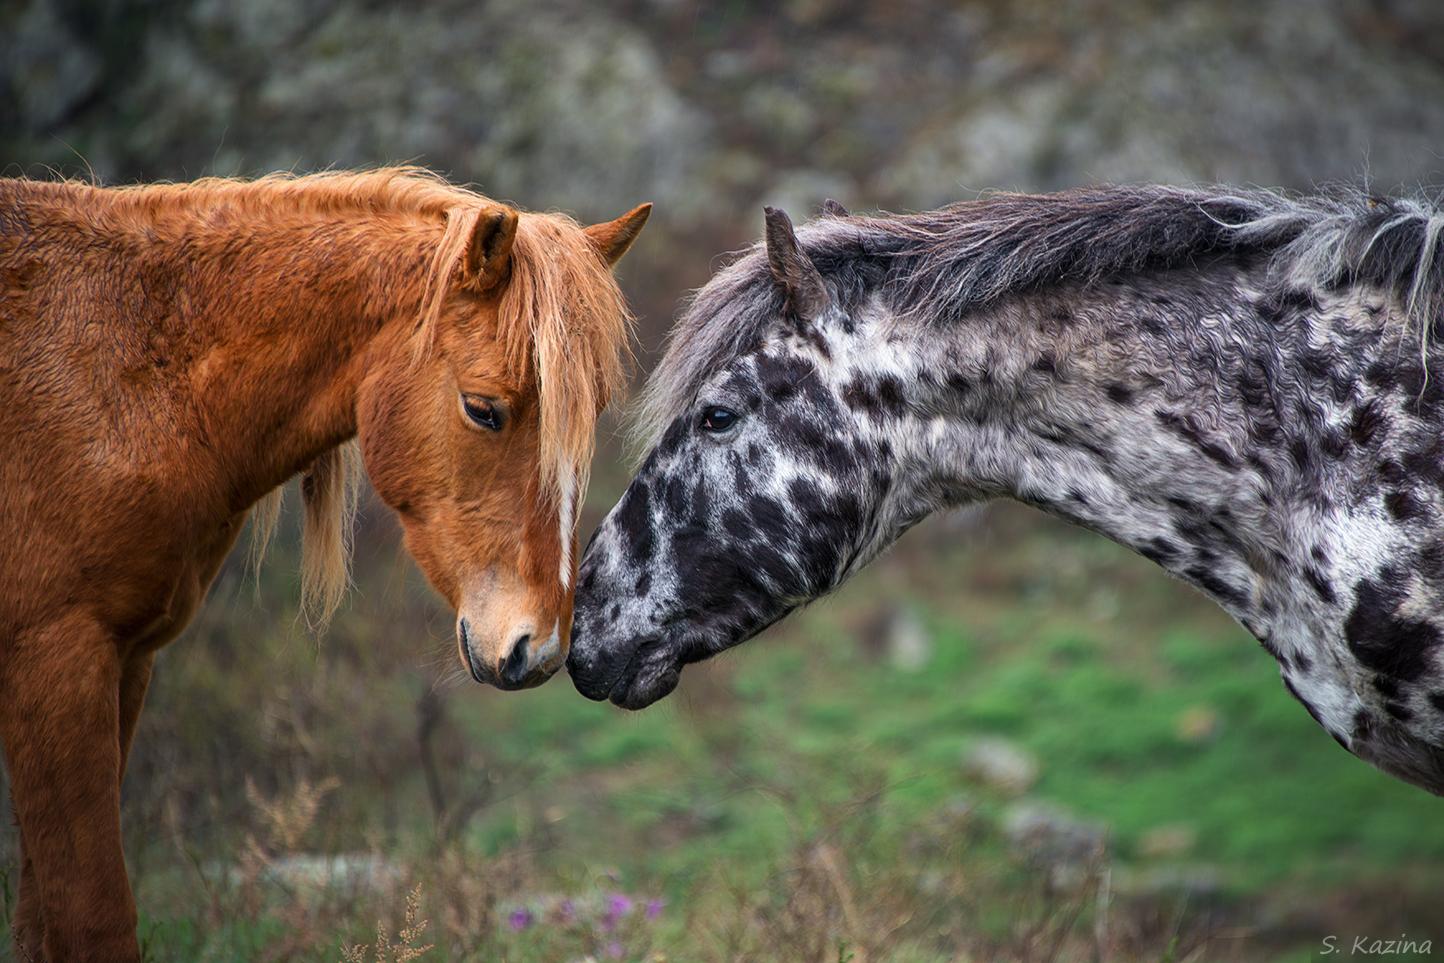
column 1320, row 585
column 1382, row 640
column 634, row 521
column 1405, row 506
column 1120, row 394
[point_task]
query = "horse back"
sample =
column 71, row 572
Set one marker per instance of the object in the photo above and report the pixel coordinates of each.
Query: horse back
column 103, row 500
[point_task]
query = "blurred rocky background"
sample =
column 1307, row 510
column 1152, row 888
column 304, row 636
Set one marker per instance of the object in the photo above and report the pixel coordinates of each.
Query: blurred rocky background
column 712, row 110
column 1007, row 740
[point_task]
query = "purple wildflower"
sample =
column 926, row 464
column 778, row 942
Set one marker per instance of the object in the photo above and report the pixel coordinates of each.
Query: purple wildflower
column 520, row 919
column 618, row 905
column 567, row 911
column 614, row 950
column 654, row 908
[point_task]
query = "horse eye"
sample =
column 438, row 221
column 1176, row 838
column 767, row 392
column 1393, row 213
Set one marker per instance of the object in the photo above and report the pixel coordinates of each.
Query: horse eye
column 483, row 413
column 717, row 420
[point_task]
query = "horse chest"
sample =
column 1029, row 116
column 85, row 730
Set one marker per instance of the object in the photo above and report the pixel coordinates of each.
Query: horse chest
column 157, row 602
column 1362, row 648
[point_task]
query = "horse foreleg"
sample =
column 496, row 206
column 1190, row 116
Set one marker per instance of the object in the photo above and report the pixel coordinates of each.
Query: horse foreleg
column 28, row 926
column 60, row 722
column 133, row 684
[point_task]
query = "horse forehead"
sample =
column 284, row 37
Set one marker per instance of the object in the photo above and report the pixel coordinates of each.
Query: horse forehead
column 774, row 373
column 471, row 341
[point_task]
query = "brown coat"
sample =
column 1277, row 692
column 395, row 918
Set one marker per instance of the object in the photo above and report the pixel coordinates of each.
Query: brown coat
column 171, row 354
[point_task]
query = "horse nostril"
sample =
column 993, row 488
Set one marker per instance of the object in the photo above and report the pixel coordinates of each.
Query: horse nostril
column 518, row 662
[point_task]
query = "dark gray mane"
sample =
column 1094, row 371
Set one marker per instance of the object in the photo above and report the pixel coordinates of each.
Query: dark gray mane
column 939, row 265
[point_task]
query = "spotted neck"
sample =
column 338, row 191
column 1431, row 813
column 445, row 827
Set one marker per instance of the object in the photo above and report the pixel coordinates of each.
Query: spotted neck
column 1208, row 426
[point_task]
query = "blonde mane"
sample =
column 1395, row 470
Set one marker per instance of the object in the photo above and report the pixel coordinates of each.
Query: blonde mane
column 409, row 190
column 561, row 316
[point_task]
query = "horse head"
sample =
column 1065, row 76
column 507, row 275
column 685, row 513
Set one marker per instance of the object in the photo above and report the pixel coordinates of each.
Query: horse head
column 478, row 431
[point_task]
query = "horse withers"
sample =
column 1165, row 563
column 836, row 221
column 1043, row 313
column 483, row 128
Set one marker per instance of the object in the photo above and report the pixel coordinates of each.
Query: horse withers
column 171, row 354
column 1243, row 386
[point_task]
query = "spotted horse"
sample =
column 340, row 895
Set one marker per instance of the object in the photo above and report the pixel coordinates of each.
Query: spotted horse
column 1243, row 386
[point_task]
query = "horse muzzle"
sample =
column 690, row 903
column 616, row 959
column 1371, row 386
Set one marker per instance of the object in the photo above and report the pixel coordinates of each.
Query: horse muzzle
column 521, row 661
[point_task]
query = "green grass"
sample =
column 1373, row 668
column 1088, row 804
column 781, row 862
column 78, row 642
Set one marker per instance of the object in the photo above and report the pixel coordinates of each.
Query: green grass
column 1268, row 794
column 1144, row 707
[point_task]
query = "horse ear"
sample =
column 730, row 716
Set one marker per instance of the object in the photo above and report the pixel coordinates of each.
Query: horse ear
column 613, row 238
column 488, row 253
column 807, row 295
column 831, row 208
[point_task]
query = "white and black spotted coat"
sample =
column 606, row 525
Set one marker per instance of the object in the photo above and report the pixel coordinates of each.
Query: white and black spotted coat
column 1214, row 380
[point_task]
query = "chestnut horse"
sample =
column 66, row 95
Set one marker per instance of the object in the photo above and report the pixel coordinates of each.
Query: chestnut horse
column 171, row 354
